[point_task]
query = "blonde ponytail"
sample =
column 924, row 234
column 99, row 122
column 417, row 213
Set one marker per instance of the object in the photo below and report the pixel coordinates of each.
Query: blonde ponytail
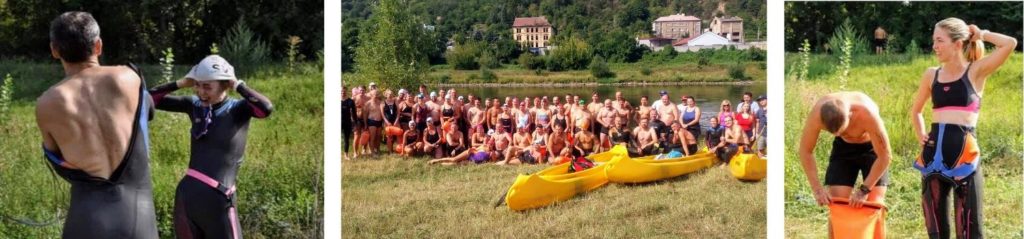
column 975, row 50
column 959, row 31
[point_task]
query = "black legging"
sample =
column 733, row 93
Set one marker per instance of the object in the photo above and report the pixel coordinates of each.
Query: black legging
column 346, row 132
column 967, row 199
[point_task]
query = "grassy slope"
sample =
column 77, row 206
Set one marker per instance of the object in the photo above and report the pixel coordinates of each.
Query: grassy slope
column 280, row 189
column 890, row 81
column 397, row 198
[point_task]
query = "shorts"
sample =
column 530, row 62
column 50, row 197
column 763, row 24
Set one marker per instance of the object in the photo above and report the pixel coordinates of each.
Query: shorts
column 847, row 160
column 879, row 43
column 374, row 123
column 480, row 157
column 527, row 157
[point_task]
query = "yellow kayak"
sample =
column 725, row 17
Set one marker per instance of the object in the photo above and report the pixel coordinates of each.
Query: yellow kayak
column 606, row 156
column 748, row 167
column 623, row 169
column 553, row 185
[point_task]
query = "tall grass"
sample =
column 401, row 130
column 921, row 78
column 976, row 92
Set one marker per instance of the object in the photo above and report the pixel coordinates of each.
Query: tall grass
column 891, row 81
column 280, row 189
column 390, row 197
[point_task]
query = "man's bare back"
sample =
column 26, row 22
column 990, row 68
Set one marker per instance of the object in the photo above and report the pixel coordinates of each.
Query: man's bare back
column 88, row 117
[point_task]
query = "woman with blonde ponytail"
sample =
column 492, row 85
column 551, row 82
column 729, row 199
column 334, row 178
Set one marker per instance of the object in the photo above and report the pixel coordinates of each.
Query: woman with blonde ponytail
column 950, row 159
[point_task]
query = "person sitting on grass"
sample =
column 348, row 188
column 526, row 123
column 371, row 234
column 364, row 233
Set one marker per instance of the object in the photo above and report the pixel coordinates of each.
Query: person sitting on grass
column 619, row 135
column 453, row 140
column 645, row 139
column 713, row 139
column 734, row 138
column 585, row 141
column 683, row 136
column 412, row 142
column 540, row 143
column 521, row 141
column 478, row 154
column 673, row 142
column 860, row 147
column 557, row 142
column 502, row 142
column 432, row 139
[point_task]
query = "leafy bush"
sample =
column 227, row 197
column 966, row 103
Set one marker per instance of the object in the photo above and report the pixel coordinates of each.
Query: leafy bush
column 755, row 54
column 244, row 50
column 599, row 68
column 646, row 71
column 529, row 61
column 464, row 56
column 487, row 60
column 737, row 72
column 846, row 32
column 487, row 75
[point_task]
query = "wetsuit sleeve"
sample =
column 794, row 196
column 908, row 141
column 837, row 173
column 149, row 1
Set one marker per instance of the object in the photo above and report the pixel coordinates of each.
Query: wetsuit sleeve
column 164, row 101
column 258, row 105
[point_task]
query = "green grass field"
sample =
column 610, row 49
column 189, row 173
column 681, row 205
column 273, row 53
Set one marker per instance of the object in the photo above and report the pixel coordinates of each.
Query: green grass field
column 280, row 186
column 391, row 197
column 891, row 81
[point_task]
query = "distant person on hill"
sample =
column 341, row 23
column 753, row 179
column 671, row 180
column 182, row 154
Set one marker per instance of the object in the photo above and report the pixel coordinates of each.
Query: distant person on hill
column 881, row 41
column 950, row 160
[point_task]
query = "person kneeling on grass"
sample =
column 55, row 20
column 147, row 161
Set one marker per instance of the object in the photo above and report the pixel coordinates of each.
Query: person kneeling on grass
column 645, row 139
column 734, row 138
column 861, row 146
column 204, row 201
column 432, row 139
column 412, row 142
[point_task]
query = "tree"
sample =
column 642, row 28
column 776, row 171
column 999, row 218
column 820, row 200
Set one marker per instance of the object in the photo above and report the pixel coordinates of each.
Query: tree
column 388, row 50
column 572, row 54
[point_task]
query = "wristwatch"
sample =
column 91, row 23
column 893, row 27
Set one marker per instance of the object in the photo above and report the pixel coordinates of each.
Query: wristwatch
column 864, row 189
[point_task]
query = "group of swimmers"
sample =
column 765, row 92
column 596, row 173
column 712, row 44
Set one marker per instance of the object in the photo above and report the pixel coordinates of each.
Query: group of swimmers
column 452, row 128
column 95, row 132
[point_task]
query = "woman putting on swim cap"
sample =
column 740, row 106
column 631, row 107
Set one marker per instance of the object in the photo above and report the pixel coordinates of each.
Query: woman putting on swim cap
column 204, row 200
column 950, row 159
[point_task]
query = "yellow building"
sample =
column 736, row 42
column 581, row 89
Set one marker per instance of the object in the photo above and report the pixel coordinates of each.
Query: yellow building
column 728, row 27
column 676, row 26
column 532, row 32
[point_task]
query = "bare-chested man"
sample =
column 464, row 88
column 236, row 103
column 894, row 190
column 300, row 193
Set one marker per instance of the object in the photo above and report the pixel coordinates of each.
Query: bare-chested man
column 557, row 142
column 667, row 113
column 644, row 110
column 861, row 146
column 374, row 121
column 645, row 138
column 476, row 117
column 491, row 119
column 585, row 142
column 522, row 141
column 622, row 109
column 94, row 131
column 606, row 117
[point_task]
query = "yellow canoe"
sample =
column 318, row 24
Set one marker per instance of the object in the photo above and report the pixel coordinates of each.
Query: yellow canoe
column 553, row 185
column 606, row 156
column 622, row 169
column 748, row 167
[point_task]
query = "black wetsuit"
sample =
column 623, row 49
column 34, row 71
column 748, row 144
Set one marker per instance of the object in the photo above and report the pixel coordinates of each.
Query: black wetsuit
column 348, row 118
column 950, row 161
column 713, row 138
column 204, row 200
column 120, row 206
